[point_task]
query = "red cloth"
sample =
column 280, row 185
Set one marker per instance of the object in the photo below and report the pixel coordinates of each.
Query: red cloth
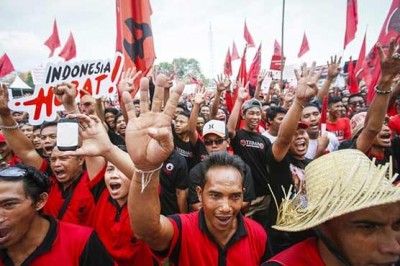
column 361, row 57
column 304, row 253
column 371, row 66
column 228, row 64
column 255, row 68
column 53, row 42
column 277, row 48
column 394, row 124
column 235, row 53
column 351, row 22
column 304, row 48
column 247, row 36
column 341, row 128
column 6, row 67
column 69, row 50
column 351, row 78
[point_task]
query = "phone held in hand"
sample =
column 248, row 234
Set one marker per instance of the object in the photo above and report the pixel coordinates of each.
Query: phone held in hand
column 67, row 134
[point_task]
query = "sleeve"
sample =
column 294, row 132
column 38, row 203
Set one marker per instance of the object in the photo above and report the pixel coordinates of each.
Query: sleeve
column 97, row 184
column 249, row 194
column 181, row 174
column 347, row 133
column 95, row 253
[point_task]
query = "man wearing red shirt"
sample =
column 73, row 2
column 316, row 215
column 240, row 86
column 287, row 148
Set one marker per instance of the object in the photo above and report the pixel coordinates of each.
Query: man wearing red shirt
column 336, row 123
column 219, row 231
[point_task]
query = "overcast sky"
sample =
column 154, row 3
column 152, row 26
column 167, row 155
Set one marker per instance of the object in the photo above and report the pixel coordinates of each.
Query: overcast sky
column 181, row 28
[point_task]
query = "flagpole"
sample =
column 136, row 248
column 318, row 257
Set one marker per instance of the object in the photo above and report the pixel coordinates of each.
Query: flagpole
column 282, row 42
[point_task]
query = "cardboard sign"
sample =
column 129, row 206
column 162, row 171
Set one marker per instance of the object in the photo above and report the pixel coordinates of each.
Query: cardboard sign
column 98, row 77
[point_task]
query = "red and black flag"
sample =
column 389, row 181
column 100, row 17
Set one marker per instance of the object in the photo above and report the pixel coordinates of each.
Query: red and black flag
column 228, row 64
column 69, row 50
column 135, row 36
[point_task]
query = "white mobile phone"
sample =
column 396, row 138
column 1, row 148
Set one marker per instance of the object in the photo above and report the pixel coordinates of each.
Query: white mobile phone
column 67, row 134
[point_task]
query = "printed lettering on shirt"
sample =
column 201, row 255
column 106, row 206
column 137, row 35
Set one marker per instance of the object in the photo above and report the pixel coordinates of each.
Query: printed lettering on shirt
column 252, row 144
column 184, row 153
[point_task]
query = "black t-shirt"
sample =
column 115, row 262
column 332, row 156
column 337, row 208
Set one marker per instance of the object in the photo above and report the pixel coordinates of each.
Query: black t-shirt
column 192, row 154
column 252, row 147
column 173, row 175
column 116, row 139
column 194, row 181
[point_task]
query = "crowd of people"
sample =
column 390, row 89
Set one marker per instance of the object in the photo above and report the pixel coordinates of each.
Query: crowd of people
column 236, row 177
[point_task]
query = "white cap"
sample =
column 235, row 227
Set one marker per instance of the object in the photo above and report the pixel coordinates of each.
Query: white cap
column 216, row 127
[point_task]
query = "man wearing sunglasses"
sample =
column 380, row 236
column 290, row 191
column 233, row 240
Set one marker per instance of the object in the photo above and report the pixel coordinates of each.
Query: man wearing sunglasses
column 29, row 238
column 216, row 140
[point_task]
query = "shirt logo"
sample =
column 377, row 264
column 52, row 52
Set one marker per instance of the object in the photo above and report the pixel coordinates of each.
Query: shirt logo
column 252, row 144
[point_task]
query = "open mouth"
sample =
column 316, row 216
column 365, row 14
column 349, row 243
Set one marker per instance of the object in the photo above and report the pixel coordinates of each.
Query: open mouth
column 115, row 186
column 59, row 173
column 224, row 220
column 4, row 233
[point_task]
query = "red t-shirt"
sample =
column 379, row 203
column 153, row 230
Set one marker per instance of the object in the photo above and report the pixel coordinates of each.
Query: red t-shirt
column 304, row 253
column 81, row 206
column 341, row 128
column 112, row 225
column 192, row 243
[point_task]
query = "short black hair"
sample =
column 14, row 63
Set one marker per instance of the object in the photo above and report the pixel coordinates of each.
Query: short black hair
column 313, row 104
column 35, row 182
column 111, row 110
column 217, row 159
column 136, row 101
column 117, row 116
column 48, row 124
column 334, row 99
column 273, row 111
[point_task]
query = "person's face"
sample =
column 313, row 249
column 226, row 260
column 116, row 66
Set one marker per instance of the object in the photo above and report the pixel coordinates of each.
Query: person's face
column 264, row 109
column 397, row 106
column 205, row 111
column 382, row 140
column 215, row 143
column 117, row 183
column 137, row 109
column 19, row 116
column 181, row 124
column 49, row 138
column 276, row 122
column 356, row 103
column 28, row 131
column 252, row 117
column 221, row 198
column 200, row 124
column 17, row 213
column 88, row 105
column 336, row 109
column 367, row 237
column 299, row 144
column 311, row 115
column 221, row 116
column 178, row 111
column 110, row 119
column 5, row 150
column 120, row 125
column 65, row 167
column 37, row 141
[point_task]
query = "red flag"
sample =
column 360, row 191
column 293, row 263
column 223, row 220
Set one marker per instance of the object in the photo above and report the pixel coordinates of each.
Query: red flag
column 304, row 46
column 371, row 65
column 351, row 22
column 255, row 67
column 235, row 54
column 361, row 57
column 193, row 80
column 247, row 36
column 53, row 42
column 69, row 50
column 324, row 112
column 242, row 74
column 277, row 48
column 135, row 36
column 351, row 78
column 6, row 67
column 228, row 64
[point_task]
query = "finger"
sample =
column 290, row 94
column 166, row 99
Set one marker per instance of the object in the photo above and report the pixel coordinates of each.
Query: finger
column 296, row 73
column 312, row 69
column 304, row 70
column 335, row 59
column 77, row 152
column 158, row 97
column 173, row 99
column 144, row 95
column 380, row 51
column 340, row 60
column 331, row 59
column 135, row 76
column 391, row 47
column 128, row 102
column 327, row 63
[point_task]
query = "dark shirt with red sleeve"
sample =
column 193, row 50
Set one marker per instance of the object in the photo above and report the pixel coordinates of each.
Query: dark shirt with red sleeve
column 112, row 224
column 65, row 244
column 193, row 244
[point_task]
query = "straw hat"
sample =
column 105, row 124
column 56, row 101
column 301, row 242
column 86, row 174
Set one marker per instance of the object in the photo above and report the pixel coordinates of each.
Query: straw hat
column 338, row 183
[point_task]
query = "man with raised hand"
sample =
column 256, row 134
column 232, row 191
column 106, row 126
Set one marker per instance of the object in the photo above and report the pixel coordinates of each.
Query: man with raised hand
column 222, row 234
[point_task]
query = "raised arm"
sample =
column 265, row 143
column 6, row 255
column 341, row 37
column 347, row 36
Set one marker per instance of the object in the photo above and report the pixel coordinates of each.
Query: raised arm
column 16, row 140
column 198, row 100
column 152, row 146
column 304, row 93
column 126, row 83
column 333, row 71
column 390, row 65
column 260, row 78
column 234, row 117
column 222, row 85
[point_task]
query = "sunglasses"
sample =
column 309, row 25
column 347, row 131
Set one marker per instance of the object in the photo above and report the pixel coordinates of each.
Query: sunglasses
column 210, row 142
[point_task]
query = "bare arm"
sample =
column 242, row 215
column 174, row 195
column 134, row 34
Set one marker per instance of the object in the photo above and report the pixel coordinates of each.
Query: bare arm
column 377, row 110
column 234, row 117
column 153, row 145
column 333, row 71
column 260, row 78
column 222, row 84
column 198, row 100
column 305, row 92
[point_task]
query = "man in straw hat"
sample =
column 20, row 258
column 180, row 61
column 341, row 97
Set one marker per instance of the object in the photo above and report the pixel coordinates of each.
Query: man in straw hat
column 353, row 208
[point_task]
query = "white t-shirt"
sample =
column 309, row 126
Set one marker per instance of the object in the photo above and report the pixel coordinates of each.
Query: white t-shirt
column 332, row 146
column 269, row 136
